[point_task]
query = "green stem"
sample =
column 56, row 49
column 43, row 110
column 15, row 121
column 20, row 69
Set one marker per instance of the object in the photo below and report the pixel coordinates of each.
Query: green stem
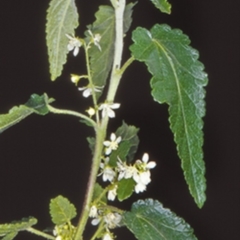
column 73, row 113
column 126, row 65
column 91, row 81
column 115, row 74
column 100, row 136
column 102, row 127
column 39, row 233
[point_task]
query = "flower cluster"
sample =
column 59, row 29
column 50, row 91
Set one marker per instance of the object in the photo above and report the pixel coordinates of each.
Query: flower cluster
column 64, row 232
column 139, row 171
column 110, row 220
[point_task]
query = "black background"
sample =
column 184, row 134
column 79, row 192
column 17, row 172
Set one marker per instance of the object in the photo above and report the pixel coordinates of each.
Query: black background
column 43, row 157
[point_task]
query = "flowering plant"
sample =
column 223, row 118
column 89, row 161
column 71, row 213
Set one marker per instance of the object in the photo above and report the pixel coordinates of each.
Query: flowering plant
column 177, row 79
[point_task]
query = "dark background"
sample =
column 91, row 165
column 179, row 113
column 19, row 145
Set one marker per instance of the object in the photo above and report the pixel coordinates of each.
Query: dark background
column 43, row 157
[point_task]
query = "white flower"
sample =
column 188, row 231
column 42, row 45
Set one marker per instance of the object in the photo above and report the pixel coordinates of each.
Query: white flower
column 87, row 91
column 112, row 193
column 106, row 109
column 93, row 212
column 125, row 171
column 107, row 236
column 113, row 144
column 145, row 164
column 143, row 176
column 95, row 39
column 107, row 171
column 142, row 179
column 112, row 220
column 73, row 44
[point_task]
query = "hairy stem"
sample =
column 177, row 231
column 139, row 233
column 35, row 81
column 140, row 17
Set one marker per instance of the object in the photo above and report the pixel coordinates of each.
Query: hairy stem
column 39, row 233
column 73, row 113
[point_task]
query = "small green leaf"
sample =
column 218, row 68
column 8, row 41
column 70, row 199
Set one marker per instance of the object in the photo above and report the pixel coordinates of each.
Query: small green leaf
column 163, row 5
column 62, row 19
column 178, row 80
column 128, row 16
column 36, row 104
column 11, row 229
column 125, row 188
column 91, row 142
column 97, row 192
column 10, row 236
column 121, row 152
column 61, row 210
column 129, row 133
column 149, row 220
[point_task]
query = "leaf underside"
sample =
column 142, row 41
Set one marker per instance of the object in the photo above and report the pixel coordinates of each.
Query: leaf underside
column 101, row 61
column 178, row 80
column 62, row 19
column 36, row 104
column 163, row 5
column 61, row 210
column 149, row 220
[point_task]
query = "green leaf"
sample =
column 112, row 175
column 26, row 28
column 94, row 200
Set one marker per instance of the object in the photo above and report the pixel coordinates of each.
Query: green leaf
column 129, row 133
column 11, row 229
column 128, row 16
column 62, row 19
column 61, row 210
column 149, row 220
column 91, row 142
column 97, row 192
column 121, row 152
column 163, row 5
column 125, row 188
column 178, row 80
column 36, row 104
column 10, row 236
column 101, row 61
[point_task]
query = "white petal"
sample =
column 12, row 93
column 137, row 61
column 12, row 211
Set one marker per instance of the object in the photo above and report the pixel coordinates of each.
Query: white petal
column 118, row 140
column 95, row 221
column 145, row 158
column 151, row 165
column 87, row 92
column 110, row 113
column 113, row 137
column 76, row 51
column 140, row 187
column 115, row 105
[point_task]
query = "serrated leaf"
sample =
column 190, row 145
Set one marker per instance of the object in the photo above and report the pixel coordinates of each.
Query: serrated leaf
column 61, row 210
column 10, row 236
column 97, row 192
column 36, row 104
column 101, row 61
column 125, row 188
column 16, row 226
column 62, row 19
column 129, row 133
column 163, row 5
column 149, row 220
column 178, row 80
